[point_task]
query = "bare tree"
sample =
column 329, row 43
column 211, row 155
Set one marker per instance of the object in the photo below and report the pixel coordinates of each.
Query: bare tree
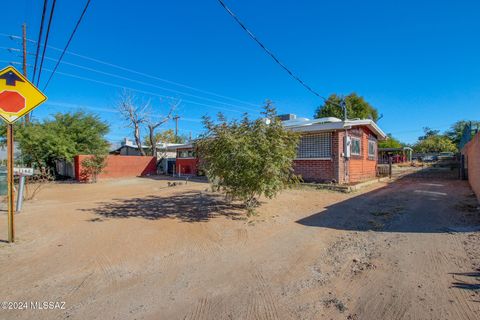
column 153, row 122
column 134, row 115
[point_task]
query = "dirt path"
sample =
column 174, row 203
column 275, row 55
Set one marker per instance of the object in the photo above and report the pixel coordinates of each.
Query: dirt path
column 138, row 249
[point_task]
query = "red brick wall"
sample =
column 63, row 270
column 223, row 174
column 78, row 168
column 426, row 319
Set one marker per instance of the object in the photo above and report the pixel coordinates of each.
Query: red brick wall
column 362, row 167
column 119, row 167
column 187, row 166
column 314, row 170
column 471, row 151
column 338, row 159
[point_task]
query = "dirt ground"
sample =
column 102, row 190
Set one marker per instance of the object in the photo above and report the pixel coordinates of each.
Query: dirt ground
column 140, row 249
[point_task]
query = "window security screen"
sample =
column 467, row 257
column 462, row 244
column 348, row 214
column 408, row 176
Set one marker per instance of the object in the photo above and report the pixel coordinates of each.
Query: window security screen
column 371, row 149
column 314, row 146
column 186, row 154
column 356, row 146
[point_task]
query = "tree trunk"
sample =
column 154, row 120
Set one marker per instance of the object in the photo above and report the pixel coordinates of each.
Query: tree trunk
column 138, row 141
column 153, row 143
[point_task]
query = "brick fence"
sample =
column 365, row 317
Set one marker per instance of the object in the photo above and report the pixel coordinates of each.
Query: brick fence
column 471, row 152
column 119, row 167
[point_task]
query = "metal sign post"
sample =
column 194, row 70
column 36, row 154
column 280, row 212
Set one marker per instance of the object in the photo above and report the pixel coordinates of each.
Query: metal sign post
column 22, row 173
column 18, row 96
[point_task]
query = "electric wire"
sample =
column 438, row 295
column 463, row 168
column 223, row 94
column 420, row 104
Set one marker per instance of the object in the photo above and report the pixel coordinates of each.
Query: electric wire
column 52, row 10
column 45, row 2
column 268, row 51
column 137, row 72
column 68, row 44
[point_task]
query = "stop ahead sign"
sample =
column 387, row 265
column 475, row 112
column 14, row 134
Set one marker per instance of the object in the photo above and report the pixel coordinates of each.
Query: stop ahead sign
column 18, row 96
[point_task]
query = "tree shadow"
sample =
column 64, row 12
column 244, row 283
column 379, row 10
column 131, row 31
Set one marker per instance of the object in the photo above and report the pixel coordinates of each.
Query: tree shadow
column 426, row 201
column 192, row 206
column 471, row 286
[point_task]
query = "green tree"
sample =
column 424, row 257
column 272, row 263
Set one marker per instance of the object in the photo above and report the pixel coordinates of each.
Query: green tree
column 61, row 138
column 434, row 142
column 428, row 132
column 356, row 106
column 456, row 130
column 93, row 166
column 167, row 136
column 391, row 142
column 248, row 158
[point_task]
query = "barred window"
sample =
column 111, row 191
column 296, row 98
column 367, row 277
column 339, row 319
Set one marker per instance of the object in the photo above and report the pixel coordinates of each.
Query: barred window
column 371, row 149
column 355, row 146
column 314, row 146
column 185, row 154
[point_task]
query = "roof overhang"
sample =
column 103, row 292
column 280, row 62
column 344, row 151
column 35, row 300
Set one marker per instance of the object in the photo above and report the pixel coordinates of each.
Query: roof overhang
column 319, row 125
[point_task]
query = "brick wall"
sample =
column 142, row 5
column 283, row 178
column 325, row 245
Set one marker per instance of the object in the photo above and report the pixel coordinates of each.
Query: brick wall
column 471, row 152
column 362, row 167
column 338, row 159
column 119, row 167
column 188, row 166
column 314, row 170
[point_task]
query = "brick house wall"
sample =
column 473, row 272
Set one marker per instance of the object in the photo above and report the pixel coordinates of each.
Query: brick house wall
column 119, row 167
column 315, row 170
column 471, row 152
column 358, row 167
column 363, row 167
column 187, row 166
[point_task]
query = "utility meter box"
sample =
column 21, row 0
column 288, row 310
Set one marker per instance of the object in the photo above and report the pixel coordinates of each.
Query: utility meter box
column 347, row 141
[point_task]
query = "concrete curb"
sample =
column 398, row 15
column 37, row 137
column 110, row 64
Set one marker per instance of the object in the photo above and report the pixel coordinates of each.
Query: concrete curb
column 345, row 188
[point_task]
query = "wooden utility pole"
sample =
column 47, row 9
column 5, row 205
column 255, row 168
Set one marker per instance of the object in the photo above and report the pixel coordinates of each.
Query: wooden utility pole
column 176, row 126
column 24, row 44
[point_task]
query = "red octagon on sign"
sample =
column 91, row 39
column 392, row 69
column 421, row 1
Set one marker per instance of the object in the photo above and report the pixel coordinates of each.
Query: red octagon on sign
column 11, row 101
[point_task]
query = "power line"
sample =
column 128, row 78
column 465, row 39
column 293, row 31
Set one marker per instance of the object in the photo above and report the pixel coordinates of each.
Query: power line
column 46, row 40
column 268, row 51
column 150, row 84
column 68, row 43
column 138, row 72
column 39, row 38
column 140, row 91
column 130, row 88
column 141, row 82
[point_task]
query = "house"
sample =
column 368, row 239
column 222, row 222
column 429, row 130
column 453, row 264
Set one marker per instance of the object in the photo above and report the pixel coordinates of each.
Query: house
column 187, row 160
column 330, row 150
column 333, row 150
column 166, row 153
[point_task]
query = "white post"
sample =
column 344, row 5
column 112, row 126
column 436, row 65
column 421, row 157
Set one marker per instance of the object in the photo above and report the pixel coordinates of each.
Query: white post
column 21, row 186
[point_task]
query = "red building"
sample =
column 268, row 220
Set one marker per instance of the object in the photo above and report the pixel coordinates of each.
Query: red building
column 187, row 161
column 332, row 150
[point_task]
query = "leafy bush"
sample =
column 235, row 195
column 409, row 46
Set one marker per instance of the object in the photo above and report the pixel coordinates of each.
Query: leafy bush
column 93, row 166
column 249, row 158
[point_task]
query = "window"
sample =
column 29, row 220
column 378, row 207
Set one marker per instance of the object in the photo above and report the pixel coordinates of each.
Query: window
column 371, row 149
column 315, row 146
column 185, row 154
column 356, row 146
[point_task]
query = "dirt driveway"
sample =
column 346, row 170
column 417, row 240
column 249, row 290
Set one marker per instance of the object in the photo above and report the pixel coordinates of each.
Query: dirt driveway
column 139, row 249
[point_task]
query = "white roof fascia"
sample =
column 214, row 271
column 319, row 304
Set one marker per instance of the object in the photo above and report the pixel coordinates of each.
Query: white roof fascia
column 312, row 126
column 369, row 123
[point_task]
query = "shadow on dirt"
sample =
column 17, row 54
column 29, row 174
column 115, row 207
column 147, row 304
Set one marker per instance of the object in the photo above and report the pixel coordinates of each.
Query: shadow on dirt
column 189, row 207
column 426, row 201
column 472, row 286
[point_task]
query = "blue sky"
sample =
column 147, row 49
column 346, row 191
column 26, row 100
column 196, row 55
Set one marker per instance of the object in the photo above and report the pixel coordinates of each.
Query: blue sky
column 416, row 61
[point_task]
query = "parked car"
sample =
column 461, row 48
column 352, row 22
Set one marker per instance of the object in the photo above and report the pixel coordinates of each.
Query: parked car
column 446, row 156
column 429, row 158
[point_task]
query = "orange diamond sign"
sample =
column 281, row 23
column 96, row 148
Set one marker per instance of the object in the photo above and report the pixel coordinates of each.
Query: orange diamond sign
column 18, row 96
